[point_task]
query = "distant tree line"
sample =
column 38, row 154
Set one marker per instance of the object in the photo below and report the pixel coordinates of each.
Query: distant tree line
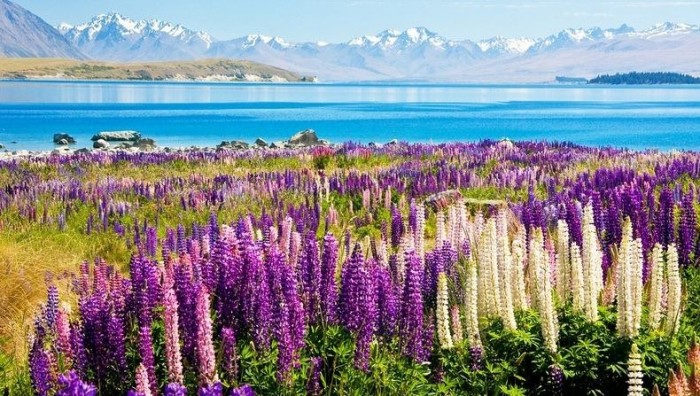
column 636, row 78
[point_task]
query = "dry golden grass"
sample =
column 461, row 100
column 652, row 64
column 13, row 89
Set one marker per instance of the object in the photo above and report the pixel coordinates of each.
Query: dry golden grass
column 234, row 69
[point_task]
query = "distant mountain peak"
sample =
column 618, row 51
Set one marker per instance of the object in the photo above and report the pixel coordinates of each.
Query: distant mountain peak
column 396, row 39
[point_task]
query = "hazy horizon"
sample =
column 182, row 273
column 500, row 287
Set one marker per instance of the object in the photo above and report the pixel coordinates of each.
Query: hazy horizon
column 338, row 21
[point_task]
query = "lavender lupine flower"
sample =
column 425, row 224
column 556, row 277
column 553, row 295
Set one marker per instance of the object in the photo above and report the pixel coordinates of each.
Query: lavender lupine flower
column 205, row 346
column 41, row 370
column 175, row 389
column 411, row 319
column 329, row 288
column 243, row 390
column 51, row 307
column 230, row 355
column 70, row 384
column 313, row 386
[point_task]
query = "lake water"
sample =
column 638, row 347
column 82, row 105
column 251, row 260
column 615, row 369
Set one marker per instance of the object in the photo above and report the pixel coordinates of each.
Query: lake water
column 184, row 114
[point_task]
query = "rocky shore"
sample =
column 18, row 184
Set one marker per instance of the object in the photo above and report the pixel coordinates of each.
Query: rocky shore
column 133, row 142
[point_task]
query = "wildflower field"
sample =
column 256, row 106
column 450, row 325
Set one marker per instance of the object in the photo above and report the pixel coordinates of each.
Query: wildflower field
column 492, row 268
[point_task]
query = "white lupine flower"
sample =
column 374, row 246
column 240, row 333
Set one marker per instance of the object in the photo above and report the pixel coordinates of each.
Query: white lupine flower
column 673, row 306
column 629, row 283
column 656, row 285
column 471, row 296
column 505, row 271
column 543, row 286
column 442, row 312
column 456, row 321
column 489, row 285
column 578, row 288
column 592, row 261
column 383, row 254
column 635, row 376
column 563, row 260
column 519, row 293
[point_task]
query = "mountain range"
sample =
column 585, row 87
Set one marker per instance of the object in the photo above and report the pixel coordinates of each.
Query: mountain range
column 414, row 54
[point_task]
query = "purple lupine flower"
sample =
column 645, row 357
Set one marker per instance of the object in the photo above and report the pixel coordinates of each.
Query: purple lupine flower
column 476, row 353
column 556, row 380
column 117, row 342
column 313, row 386
column 77, row 347
column 310, row 271
column 147, row 359
column 41, row 371
column 368, row 309
column 205, row 346
column 397, row 226
column 686, row 229
column 256, row 305
column 350, row 289
column 175, row 389
column 243, row 390
column 388, row 302
column 230, row 355
column 216, row 389
column 664, row 220
column 70, row 384
column 51, row 307
column 329, row 288
column 411, row 319
column 428, row 336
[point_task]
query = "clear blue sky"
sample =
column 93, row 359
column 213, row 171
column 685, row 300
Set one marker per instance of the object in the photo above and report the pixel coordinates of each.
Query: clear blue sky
column 341, row 20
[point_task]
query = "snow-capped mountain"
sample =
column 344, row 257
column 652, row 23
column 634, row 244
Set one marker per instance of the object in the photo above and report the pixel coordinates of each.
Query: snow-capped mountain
column 413, row 54
column 23, row 34
column 116, row 37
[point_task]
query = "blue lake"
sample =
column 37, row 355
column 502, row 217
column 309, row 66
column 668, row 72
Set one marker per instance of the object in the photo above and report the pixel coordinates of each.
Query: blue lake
column 184, row 114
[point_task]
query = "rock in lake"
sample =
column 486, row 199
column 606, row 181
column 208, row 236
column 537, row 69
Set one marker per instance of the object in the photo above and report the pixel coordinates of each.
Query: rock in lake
column 117, row 136
column 233, row 145
column 276, row 145
column 260, row 142
column 100, row 143
column 2, row 146
column 393, row 142
column 306, row 137
column 145, row 144
column 63, row 139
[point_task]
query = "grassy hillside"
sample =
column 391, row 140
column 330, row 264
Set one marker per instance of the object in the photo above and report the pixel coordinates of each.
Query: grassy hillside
column 211, row 69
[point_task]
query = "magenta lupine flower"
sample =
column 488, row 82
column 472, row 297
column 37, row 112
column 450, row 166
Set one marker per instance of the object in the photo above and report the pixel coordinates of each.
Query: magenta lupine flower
column 243, row 390
column 411, row 319
column 70, row 384
column 41, row 371
column 313, row 386
column 63, row 335
column 147, row 359
column 230, row 355
column 171, row 321
column 206, row 357
column 329, row 288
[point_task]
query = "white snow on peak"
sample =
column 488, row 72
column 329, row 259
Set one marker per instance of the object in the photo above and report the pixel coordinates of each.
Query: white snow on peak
column 666, row 29
column 500, row 44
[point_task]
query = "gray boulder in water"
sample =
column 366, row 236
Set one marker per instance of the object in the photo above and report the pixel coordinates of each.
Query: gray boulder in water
column 260, row 142
column 306, row 137
column 63, row 139
column 233, row 145
column 117, row 136
column 100, row 143
column 145, row 144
